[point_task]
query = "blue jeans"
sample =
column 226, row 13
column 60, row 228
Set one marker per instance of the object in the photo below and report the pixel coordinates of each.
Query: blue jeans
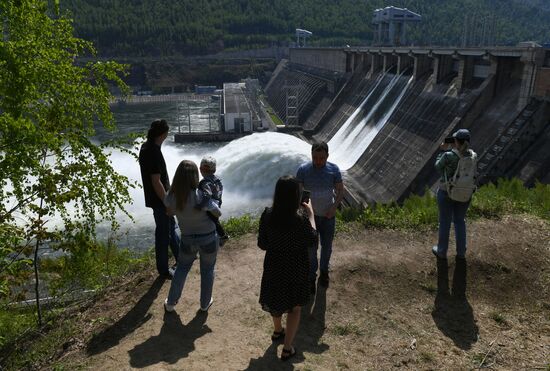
column 455, row 212
column 165, row 234
column 207, row 247
column 325, row 228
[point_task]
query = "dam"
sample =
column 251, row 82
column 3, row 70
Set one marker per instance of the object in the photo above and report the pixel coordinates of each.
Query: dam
column 385, row 110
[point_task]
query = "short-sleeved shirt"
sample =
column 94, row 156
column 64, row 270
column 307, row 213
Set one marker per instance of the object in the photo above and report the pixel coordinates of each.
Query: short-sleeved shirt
column 321, row 183
column 152, row 162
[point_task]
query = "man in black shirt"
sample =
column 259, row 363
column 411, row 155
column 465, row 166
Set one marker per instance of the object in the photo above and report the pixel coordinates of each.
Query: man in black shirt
column 155, row 185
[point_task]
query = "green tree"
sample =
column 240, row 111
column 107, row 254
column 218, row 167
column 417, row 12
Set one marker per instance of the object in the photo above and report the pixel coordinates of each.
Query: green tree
column 182, row 27
column 56, row 184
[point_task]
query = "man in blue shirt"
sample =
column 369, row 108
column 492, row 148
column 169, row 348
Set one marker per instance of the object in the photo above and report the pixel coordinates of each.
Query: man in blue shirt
column 324, row 180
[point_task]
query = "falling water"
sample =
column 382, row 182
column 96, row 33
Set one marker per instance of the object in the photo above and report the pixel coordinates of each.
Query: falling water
column 359, row 130
column 250, row 166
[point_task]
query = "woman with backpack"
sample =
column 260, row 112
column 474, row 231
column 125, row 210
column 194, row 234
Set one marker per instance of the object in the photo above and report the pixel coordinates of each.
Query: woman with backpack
column 457, row 166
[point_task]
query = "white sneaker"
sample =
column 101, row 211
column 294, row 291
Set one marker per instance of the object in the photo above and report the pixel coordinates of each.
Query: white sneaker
column 208, row 306
column 168, row 307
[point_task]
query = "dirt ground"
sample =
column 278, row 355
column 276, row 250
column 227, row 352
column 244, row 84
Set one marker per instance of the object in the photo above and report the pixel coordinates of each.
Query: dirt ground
column 381, row 311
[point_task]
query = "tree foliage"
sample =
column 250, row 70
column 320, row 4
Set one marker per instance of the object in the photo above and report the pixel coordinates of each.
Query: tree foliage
column 56, row 183
column 180, row 27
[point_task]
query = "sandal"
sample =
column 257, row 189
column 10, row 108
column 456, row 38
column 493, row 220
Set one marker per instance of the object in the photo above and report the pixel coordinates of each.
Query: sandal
column 288, row 353
column 278, row 335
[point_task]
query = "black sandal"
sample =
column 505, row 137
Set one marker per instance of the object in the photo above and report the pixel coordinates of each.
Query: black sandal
column 278, row 335
column 288, row 353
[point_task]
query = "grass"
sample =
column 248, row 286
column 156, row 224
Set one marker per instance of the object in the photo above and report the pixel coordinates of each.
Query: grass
column 483, row 360
column 90, row 267
column 420, row 212
column 427, row 357
column 478, row 358
column 498, row 318
column 342, row 365
column 503, row 268
column 13, row 323
column 511, row 197
column 38, row 346
column 429, row 287
column 239, row 226
column 347, row 329
column 97, row 266
column 490, row 201
column 276, row 120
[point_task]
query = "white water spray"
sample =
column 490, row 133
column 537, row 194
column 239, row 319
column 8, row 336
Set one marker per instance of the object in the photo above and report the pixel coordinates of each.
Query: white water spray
column 354, row 137
column 249, row 168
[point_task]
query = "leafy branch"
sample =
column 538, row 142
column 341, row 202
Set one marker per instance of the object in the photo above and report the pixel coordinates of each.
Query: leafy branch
column 49, row 106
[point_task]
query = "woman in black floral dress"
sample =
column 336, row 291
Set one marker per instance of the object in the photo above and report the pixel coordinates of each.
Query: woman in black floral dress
column 286, row 232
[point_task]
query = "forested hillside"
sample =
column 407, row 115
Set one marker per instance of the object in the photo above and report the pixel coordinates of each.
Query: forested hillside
column 184, row 27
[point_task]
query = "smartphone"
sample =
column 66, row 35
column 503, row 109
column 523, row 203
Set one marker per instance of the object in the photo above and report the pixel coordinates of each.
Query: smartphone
column 449, row 140
column 305, row 195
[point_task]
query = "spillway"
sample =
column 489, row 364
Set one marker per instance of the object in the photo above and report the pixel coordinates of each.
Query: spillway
column 359, row 130
column 384, row 128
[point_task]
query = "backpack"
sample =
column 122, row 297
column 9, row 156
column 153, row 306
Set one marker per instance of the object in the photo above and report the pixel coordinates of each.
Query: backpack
column 463, row 183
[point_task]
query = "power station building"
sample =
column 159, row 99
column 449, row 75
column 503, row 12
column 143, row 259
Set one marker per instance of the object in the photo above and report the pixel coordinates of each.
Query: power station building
column 390, row 25
column 237, row 112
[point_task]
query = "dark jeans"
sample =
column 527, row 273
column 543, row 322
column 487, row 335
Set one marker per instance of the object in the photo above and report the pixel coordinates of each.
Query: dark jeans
column 325, row 228
column 455, row 212
column 165, row 234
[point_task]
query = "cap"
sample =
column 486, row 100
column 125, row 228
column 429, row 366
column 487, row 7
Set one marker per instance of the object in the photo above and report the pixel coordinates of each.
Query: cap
column 462, row 134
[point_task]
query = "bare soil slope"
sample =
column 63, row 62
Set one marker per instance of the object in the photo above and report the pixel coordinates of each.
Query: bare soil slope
column 381, row 311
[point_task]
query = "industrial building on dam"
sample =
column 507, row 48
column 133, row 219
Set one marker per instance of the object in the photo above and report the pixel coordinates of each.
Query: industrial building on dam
column 394, row 105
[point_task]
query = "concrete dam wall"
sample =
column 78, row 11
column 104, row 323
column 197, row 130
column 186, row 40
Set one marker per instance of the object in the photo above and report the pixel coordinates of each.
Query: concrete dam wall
column 384, row 112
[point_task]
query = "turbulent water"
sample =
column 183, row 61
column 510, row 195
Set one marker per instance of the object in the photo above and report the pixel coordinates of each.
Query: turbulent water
column 360, row 129
column 248, row 167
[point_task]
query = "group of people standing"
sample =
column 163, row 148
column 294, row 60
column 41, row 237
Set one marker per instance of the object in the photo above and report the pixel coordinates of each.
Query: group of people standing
column 196, row 206
column 301, row 216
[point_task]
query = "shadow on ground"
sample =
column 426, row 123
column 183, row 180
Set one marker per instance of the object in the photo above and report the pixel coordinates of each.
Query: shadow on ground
column 312, row 324
column 312, row 327
column 174, row 342
column 270, row 360
column 132, row 320
column 453, row 314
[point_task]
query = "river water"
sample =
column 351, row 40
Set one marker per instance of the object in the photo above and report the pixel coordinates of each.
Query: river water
column 248, row 167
